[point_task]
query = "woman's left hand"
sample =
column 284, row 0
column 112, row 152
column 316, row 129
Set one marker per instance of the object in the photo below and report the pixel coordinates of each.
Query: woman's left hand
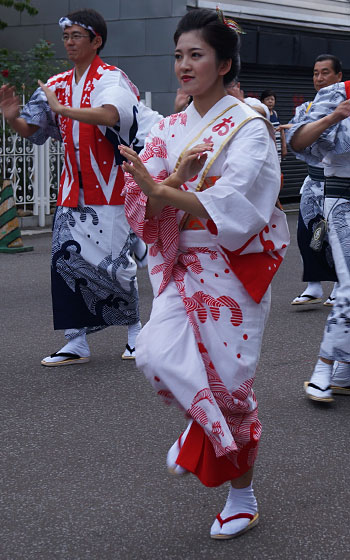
column 135, row 167
column 52, row 100
column 193, row 161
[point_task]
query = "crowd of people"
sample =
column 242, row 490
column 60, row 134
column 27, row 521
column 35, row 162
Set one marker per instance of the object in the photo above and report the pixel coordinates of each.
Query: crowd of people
column 200, row 189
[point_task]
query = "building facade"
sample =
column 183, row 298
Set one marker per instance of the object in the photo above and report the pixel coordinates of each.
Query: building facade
column 278, row 50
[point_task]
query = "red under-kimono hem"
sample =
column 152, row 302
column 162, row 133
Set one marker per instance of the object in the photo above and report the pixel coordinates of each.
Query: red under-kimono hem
column 197, row 455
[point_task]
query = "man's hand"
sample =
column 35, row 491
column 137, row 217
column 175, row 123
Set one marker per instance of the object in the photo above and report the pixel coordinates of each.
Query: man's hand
column 310, row 132
column 52, row 100
column 236, row 91
column 181, row 101
column 106, row 115
column 9, row 103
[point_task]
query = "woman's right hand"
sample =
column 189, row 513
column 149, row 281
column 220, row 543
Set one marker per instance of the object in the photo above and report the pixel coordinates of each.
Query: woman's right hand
column 192, row 162
column 9, row 103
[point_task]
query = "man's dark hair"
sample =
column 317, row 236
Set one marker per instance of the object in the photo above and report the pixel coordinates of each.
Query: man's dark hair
column 94, row 20
column 267, row 93
column 220, row 37
column 336, row 63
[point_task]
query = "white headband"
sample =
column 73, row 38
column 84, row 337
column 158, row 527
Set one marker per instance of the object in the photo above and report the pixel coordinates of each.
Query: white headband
column 66, row 22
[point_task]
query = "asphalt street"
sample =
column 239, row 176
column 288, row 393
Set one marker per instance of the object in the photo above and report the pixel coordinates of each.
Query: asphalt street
column 82, row 455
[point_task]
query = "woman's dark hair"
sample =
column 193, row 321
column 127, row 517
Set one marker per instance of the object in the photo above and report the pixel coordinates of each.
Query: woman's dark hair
column 337, row 65
column 94, row 20
column 267, row 93
column 220, row 37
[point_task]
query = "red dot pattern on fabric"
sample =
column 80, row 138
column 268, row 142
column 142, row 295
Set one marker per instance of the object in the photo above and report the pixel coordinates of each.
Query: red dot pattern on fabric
column 227, row 270
column 284, row 246
column 225, row 343
column 216, row 275
column 238, row 355
column 273, row 225
column 156, row 378
column 202, row 281
column 173, row 135
column 245, row 337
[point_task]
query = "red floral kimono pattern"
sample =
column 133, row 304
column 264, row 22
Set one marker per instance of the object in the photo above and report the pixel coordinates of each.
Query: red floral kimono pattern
column 222, row 443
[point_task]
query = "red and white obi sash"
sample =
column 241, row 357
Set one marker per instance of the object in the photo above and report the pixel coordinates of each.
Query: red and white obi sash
column 258, row 260
column 102, row 178
column 256, row 263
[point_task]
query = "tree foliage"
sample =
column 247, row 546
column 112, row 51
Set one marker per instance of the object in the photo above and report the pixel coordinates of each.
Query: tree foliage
column 25, row 5
column 24, row 69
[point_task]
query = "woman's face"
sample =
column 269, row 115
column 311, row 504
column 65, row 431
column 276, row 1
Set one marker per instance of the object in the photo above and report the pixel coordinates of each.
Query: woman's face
column 196, row 66
column 269, row 101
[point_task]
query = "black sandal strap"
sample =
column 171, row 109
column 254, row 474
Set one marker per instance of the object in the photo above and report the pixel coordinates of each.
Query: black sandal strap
column 318, row 388
column 65, row 355
column 144, row 255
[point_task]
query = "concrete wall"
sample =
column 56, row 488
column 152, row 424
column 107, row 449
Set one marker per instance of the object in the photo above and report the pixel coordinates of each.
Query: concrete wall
column 333, row 15
column 139, row 38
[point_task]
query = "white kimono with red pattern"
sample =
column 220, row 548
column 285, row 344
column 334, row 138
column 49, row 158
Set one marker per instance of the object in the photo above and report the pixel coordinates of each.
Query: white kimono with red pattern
column 201, row 345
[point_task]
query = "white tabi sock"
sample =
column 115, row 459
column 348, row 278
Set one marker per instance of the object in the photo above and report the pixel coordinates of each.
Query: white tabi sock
column 139, row 248
column 174, row 451
column 77, row 345
column 341, row 374
column 322, row 374
column 133, row 331
column 313, row 289
column 334, row 291
column 239, row 500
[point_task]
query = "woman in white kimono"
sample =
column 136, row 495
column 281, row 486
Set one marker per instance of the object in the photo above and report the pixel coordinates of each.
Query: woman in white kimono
column 202, row 195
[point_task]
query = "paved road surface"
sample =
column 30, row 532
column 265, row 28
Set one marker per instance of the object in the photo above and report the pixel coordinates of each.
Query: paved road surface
column 83, row 448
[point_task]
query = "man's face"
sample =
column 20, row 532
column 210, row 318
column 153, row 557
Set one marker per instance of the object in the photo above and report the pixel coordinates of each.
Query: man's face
column 324, row 74
column 80, row 49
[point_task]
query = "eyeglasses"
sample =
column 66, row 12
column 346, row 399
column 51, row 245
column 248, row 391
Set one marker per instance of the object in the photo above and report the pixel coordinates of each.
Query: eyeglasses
column 73, row 36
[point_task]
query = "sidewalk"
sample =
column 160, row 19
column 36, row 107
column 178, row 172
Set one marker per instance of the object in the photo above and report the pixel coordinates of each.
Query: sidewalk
column 27, row 227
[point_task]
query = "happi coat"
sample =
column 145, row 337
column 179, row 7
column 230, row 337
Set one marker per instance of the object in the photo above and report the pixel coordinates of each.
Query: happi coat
column 93, row 275
column 210, row 280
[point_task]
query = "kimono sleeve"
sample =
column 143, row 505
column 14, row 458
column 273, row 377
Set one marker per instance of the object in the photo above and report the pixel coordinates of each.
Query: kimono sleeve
column 253, row 102
column 335, row 138
column 37, row 111
column 300, row 112
column 243, row 199
column 154, row 157
column 112, row 89
column 298, row 120
column 146, row 119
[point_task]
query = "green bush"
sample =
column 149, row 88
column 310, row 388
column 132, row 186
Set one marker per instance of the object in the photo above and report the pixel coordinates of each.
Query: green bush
column 24, row 69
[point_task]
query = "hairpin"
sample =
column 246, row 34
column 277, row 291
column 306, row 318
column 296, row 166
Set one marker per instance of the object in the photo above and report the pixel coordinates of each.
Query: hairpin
column 231, row 23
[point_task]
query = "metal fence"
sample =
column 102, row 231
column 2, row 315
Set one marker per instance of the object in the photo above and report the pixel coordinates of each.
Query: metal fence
column 34, row 172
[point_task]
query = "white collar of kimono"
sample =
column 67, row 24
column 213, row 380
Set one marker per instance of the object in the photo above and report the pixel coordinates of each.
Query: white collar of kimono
column 66, row 22
column 224, row 102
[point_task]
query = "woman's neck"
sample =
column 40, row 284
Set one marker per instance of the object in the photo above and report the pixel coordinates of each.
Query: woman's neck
column 203, row 103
